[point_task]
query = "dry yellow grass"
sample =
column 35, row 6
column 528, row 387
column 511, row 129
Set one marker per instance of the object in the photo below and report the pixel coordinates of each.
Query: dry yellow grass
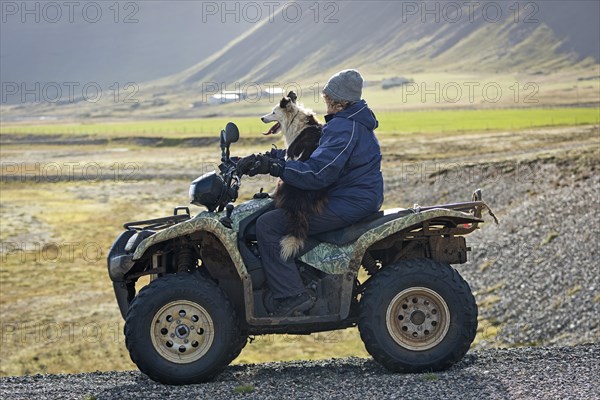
column 57, row 308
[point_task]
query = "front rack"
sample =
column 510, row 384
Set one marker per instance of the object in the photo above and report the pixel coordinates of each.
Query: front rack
column 157, row 224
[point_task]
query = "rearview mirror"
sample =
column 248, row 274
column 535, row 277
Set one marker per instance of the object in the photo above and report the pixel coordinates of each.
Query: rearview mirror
column 230, row 134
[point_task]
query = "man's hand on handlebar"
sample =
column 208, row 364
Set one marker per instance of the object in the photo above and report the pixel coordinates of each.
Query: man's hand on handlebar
column 245, row 164
column 256, row 164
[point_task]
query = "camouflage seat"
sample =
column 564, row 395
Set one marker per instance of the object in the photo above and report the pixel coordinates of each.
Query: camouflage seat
column 350, row 233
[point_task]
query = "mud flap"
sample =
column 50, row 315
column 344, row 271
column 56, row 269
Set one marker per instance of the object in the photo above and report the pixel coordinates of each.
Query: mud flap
column 448, row 249
column 124, row 293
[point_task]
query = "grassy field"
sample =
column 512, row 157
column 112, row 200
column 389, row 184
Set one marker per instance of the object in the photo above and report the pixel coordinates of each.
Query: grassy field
column 57, row 307
column 390, row 123
column 431, row 90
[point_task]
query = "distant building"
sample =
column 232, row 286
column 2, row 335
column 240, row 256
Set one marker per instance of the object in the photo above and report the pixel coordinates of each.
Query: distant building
column 230, row 96
column 395, row 81
column 276, row 91
column 196, row 104
column 222, row 98
column 239, row 93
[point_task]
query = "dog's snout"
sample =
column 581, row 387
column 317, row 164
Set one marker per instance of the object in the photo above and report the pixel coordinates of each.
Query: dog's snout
column 262, row 119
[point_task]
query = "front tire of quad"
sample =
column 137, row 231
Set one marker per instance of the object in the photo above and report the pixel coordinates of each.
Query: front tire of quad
column 417, row 315
column 182, row 329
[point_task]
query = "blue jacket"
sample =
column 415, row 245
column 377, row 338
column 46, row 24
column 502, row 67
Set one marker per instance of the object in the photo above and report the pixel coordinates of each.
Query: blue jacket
column 347, row 163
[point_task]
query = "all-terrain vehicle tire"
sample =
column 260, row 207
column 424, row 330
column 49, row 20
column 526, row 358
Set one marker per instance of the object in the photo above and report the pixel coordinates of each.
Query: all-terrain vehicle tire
column 182, row 329
column 417, row 315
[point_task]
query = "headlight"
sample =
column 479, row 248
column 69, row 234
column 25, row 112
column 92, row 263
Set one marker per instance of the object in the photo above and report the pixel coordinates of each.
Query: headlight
column 192, row 192
column 135, row 240
column 130, row 246
column 207, row 190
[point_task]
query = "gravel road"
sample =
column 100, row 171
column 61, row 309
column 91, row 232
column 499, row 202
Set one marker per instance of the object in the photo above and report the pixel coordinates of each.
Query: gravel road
column 522, row 373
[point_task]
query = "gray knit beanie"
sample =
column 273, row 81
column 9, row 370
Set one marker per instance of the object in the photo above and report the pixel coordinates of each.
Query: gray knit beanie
column 346, row 85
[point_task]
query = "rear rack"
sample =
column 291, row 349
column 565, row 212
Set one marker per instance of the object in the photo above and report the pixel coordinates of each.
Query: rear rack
column 157, row 224
column 474, row 207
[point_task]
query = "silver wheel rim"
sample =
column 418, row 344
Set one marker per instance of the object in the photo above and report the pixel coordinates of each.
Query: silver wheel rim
column 182, row 331
column 418, row 318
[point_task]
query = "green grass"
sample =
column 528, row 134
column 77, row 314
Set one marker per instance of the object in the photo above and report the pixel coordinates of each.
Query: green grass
column 485, row 265
column 242, row 389
column 480, row 120
column 487, row 330
column 550, row 237
column 174, row 128
column 430, row 377
column 390, row 123
column 573, row 290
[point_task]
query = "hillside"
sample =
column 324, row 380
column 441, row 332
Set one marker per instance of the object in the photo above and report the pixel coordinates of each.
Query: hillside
column 382, row 37
column 549, row 48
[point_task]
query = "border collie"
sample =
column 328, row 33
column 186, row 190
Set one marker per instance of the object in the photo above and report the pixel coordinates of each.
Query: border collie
column 301, row 132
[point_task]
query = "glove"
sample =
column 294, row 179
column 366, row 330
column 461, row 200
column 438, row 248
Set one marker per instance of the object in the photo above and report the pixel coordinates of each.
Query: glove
column 267, row 165
column 276, row 153
column 246, row 164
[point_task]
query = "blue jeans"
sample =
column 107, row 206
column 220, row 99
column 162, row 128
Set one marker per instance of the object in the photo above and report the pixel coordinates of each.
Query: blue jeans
column 283, row 276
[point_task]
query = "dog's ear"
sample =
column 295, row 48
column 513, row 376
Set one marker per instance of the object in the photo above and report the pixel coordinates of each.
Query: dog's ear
column 284, row 102
column 293, row 97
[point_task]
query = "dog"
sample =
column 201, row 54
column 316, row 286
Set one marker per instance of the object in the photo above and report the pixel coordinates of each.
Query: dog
column 301, row 133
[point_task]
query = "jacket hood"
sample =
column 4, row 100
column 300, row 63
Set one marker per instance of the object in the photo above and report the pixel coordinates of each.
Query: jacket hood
column 359, row 112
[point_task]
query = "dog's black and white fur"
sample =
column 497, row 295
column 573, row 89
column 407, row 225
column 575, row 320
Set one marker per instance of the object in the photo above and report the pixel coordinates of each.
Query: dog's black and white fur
column 302, row 133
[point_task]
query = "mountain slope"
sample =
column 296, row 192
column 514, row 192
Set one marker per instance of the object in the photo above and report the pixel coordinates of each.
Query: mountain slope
column 549, row 48
column 390, row 37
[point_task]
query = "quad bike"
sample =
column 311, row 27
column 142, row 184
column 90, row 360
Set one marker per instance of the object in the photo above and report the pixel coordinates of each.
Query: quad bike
column 208, row 292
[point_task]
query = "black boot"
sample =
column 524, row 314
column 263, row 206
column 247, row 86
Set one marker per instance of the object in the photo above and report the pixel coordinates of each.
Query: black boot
column 289, row 306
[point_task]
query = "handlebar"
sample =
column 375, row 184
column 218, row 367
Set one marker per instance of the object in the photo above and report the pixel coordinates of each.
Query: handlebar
column 232, row 179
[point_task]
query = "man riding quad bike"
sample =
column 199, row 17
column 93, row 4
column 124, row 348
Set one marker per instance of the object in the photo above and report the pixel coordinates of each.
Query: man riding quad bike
column 344, row 173
column 208, row 290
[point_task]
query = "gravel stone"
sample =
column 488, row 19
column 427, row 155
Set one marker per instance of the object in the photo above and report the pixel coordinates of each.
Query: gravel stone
column 524, row 373
column 536, row 275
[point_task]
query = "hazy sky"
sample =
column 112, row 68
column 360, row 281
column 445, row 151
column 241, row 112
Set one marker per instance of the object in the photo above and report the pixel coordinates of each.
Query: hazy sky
column 96, row 41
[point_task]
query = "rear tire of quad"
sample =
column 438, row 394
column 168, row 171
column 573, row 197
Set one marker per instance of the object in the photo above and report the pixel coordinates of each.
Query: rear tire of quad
column 182, row 329
column 417, row 315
